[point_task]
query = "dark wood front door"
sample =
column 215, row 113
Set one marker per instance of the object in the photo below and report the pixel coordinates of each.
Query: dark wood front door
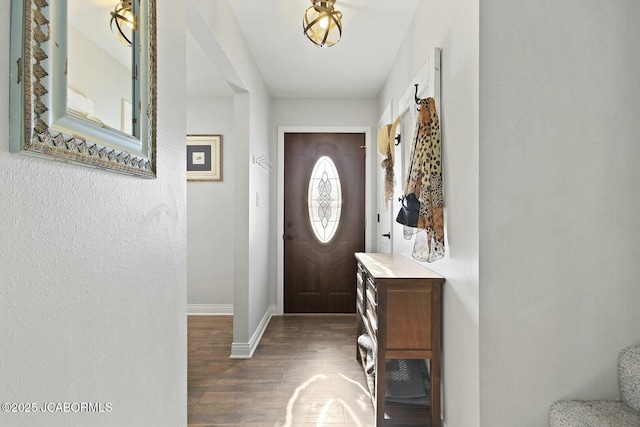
column 324, row 220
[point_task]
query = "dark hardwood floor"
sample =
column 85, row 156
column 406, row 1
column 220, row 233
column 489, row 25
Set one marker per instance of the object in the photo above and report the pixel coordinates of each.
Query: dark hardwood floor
column 304, row 373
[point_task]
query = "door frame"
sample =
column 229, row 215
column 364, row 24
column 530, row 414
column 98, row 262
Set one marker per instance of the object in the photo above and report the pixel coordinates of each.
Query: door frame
column 369, row 200
column 382, row 216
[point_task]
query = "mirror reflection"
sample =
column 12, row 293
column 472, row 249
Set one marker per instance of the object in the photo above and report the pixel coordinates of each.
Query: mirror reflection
column 100, row 63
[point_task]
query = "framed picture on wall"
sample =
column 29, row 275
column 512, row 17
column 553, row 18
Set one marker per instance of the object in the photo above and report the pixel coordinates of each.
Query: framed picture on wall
column 204, row 157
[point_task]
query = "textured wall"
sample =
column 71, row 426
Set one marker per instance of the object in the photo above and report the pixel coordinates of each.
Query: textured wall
column 93, row 271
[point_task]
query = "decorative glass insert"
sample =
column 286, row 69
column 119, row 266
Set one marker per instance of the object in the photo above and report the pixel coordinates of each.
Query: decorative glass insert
column 324, row 199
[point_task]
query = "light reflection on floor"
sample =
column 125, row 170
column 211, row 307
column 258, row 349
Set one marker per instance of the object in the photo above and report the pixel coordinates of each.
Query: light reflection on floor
column 329, row 399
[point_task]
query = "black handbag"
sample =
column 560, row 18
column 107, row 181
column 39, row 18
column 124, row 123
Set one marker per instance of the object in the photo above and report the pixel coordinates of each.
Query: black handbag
column 409, row 211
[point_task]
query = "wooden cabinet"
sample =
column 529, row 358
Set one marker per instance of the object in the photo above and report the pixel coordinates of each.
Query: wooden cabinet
column 399, row 306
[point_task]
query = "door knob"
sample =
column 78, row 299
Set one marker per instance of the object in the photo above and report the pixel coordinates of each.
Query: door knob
column 387, row 235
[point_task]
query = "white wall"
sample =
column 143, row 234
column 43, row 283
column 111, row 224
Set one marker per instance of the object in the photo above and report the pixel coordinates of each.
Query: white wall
column 324, row 112
column 559, row 185
column 93, row 270
column 259, row 203
column 210, row 236
column 452, row 26
column 251, row 112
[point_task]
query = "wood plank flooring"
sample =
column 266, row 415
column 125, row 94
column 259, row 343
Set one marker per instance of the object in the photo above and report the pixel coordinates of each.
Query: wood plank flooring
column 304, row 373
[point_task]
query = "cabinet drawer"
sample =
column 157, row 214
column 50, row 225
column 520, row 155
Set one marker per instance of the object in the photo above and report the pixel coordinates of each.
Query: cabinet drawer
column 371, row 284
column 408, row 317
column 369, row 329
column 359, row 301
column 372, row 298
column 372, row 318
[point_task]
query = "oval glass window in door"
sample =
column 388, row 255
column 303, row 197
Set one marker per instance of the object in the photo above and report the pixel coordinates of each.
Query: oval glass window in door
column 324, row 199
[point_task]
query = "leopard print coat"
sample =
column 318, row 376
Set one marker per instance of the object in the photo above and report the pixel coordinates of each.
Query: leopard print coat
column 425, row 181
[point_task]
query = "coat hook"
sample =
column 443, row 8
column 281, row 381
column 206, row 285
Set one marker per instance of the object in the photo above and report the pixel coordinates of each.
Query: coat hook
column 397, row 138
column 416, row 95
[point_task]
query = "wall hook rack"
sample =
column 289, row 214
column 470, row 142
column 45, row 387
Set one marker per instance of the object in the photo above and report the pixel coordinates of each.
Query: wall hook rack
column 263, row 163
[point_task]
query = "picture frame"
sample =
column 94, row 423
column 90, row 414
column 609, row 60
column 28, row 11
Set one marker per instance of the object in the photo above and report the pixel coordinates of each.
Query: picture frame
column 204, row 158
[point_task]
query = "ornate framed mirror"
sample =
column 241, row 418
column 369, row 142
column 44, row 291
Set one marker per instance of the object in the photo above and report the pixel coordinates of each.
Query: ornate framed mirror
column 83, row 82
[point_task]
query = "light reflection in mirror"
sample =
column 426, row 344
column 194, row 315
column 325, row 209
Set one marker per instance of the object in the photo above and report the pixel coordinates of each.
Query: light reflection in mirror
column 96, row 55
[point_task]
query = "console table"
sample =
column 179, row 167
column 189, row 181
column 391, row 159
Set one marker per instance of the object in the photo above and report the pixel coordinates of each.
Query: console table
column 399, row 305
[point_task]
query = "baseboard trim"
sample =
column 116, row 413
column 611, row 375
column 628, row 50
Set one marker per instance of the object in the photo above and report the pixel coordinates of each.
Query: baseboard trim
column 246, row 350
column 209, row 309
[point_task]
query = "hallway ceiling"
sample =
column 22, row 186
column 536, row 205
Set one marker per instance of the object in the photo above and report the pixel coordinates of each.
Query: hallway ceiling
column 293, row 67
column 203, row 78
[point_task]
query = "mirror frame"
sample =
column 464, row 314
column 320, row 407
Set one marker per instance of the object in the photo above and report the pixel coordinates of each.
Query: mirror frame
column 40, row 123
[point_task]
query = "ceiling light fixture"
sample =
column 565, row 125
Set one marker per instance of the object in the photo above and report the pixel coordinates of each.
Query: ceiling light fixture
column 124, row 21
column 322, row 24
